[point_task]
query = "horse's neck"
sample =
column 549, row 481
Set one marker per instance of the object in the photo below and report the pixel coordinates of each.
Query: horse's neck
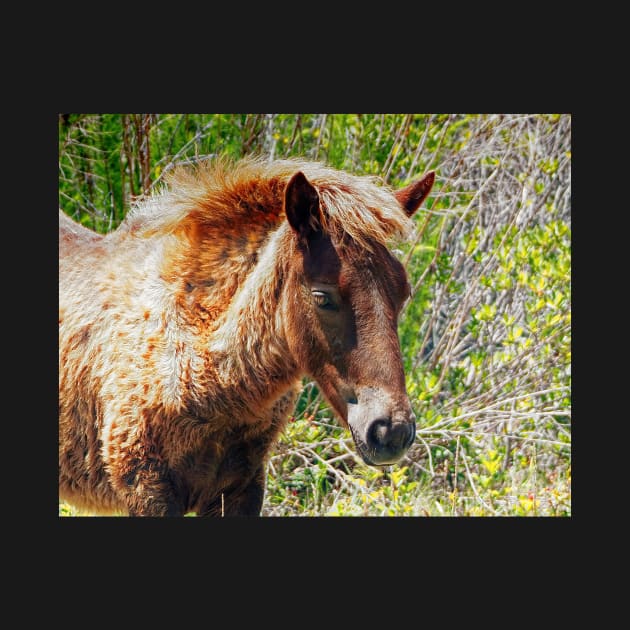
column 249, row 347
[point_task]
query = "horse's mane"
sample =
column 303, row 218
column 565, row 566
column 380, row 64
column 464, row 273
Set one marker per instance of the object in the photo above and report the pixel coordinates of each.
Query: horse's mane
column 221, row 192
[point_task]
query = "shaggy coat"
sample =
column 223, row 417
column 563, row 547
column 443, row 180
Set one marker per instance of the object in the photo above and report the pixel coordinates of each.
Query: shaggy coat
column 184, row 333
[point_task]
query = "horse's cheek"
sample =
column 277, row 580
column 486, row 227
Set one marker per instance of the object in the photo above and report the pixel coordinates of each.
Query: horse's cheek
column 297, row 328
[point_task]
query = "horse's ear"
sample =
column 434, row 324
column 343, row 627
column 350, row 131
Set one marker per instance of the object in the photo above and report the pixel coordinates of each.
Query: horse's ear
column 301, row 205
column 411, row 196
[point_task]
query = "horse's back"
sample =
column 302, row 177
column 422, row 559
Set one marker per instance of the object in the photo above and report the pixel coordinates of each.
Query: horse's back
column 73, row 235
column 82, row 253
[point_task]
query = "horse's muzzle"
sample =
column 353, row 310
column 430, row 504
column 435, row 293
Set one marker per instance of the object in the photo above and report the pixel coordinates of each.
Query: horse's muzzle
column 388, row 441
column 381, row 438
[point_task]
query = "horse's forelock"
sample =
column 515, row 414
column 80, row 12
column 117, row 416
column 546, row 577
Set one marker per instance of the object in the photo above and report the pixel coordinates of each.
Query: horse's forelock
column 366, row 213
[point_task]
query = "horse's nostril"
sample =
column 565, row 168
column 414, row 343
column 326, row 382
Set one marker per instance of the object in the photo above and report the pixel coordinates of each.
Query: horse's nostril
column 378, row 435
column 394, row 437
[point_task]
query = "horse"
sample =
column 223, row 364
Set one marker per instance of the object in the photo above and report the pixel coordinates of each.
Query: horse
column 185, row 332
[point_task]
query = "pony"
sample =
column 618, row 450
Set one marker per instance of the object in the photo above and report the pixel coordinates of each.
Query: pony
column 185, row 332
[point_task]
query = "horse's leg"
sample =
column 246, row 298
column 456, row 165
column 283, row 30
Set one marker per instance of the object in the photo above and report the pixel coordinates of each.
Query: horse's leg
column 145, row 488
column 240, row 500
column 248, row 501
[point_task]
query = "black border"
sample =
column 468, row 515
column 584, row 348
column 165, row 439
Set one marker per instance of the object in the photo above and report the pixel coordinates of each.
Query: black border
column 360, row 546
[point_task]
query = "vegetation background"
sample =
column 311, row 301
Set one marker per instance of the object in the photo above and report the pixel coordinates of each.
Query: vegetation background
column 486, row 335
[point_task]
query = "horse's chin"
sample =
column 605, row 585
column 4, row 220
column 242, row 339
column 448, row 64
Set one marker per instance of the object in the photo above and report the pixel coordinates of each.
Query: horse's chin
column 372, row 458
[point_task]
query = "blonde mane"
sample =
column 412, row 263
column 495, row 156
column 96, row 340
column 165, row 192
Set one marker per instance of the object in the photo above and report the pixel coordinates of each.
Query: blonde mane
column 225, row 193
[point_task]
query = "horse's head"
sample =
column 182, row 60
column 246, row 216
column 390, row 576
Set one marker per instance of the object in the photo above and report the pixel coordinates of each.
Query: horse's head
column 343, row 302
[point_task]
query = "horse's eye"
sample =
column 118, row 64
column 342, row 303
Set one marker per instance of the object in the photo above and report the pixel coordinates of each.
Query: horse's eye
column 321, row 299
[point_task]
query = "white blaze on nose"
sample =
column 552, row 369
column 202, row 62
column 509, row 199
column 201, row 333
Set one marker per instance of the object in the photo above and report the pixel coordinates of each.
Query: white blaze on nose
column 379, row 319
